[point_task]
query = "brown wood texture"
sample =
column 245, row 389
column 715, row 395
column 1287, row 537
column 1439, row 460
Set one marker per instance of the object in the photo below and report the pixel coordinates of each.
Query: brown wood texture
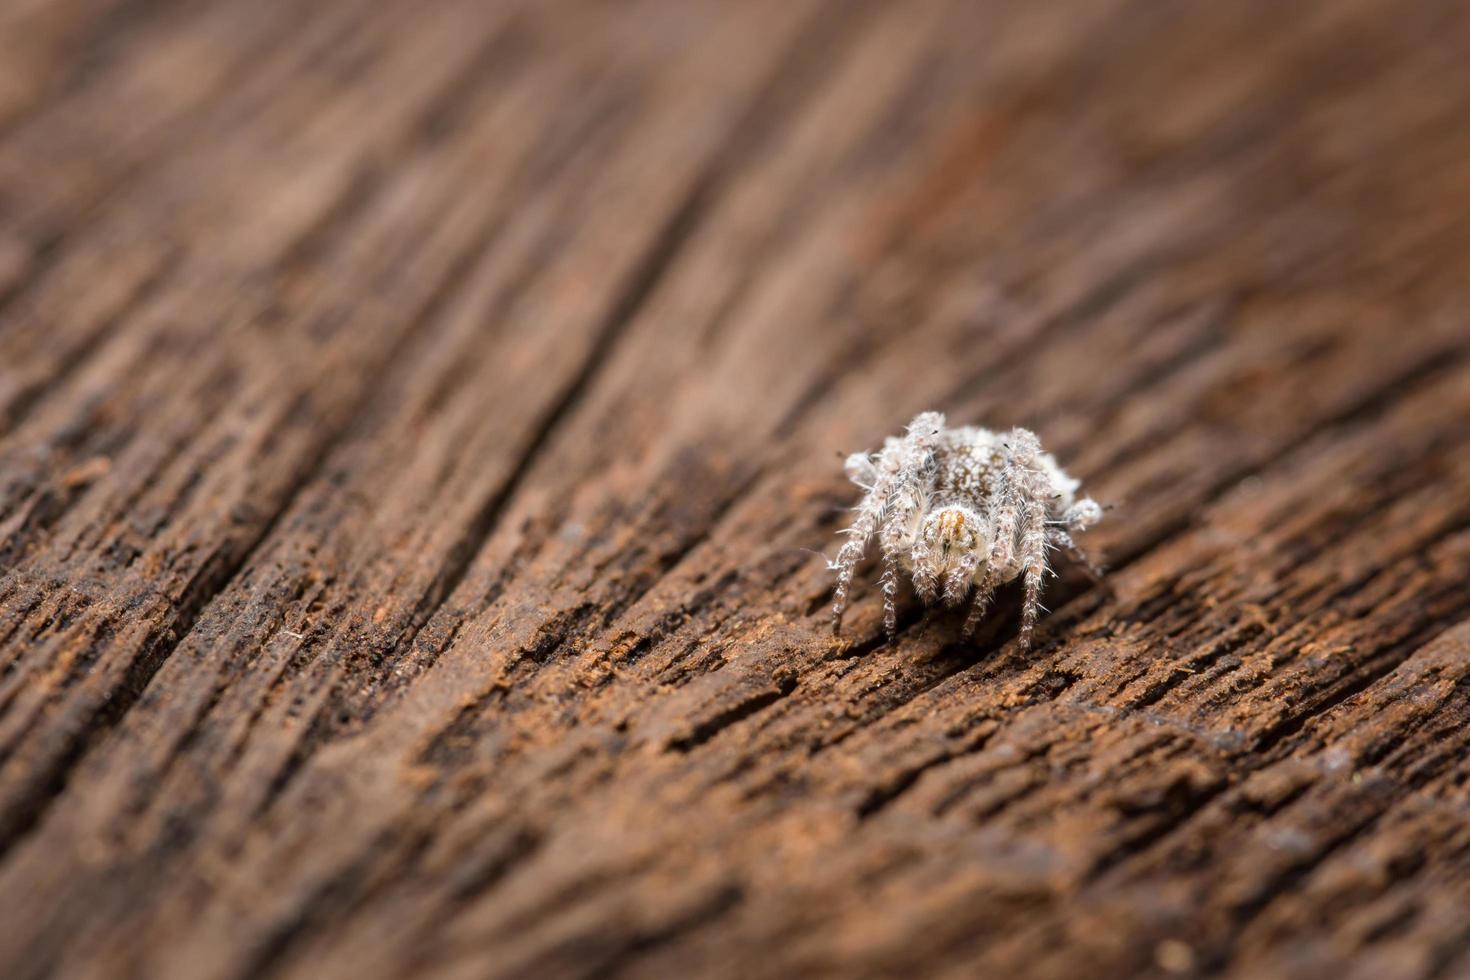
column 419, row 426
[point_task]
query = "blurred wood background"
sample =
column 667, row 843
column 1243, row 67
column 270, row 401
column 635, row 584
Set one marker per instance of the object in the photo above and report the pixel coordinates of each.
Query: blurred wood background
column 418, row 423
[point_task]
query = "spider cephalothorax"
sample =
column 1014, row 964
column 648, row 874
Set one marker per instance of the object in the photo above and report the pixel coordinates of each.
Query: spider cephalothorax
column 961, row 509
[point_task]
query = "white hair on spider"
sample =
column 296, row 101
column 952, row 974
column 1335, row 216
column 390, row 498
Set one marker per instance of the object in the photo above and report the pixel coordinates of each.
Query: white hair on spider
column 962, row 511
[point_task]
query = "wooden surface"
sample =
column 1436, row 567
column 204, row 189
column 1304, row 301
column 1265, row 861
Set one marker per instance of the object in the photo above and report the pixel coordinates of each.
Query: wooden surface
column 418, row 423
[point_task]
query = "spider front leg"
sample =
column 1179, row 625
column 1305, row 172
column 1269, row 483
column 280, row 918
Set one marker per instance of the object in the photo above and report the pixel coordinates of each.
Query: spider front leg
column 1080, row 516
column 957, row 583
column 896, row 483
column 869, row 517
column 979, row 606
column 889, row 584
column 1033, row 559
column 895, row 537
column 1004, row 527
column 926, row 583
column 1059, row 538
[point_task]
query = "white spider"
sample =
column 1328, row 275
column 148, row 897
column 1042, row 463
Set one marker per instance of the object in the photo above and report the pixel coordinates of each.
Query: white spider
column 966, row 507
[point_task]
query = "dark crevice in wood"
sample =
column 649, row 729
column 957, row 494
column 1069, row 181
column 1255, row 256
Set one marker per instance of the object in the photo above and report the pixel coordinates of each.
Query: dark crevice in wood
column 721, row 902
column 1211, row 340
column 817, row 50
column 1228, row 645
column 1158, row 838
column 1373, row 403
column 336, row 896
column 522, row 845
column 170, row 137
column 667, row 562
column 846, row 364
column 195, row 727
column 504, row 55
column 371, row 176
column 1247, row 632
column 43, row 253
column 1101, row 298
column 638, row 751
column 1275, row 740
column 1265, row 748
column 1156, row 834
column 882, row 796
column 710, row 727
column 1284, row 884
column 629, row 647
column 105, row 32
column 619, row 317
column 212, row 578
column 314, row 243
column 324, row 233
column 770, row 107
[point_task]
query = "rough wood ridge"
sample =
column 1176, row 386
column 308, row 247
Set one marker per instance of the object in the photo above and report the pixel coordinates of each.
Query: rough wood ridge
column 417, row 422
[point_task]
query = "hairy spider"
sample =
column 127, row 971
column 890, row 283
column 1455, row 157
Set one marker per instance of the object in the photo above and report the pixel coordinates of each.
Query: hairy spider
column 961, row 509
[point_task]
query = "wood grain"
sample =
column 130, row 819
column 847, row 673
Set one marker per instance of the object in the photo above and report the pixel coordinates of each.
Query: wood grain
column 418, row 423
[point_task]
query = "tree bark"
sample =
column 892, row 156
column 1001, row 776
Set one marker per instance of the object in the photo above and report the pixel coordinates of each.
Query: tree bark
column 420, row 425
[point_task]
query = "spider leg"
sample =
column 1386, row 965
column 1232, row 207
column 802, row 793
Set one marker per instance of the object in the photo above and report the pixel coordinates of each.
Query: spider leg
column 1058, row 538
column 1033, row 557
column 910, row 488
column 926, row 584
column 957, row 583
column 924, row 429
column 895, row 479
column 869, row 517
column 861, row 469
column 984, row 593
column 1024, row 445
column 899, row 509
column 889, row 584
column 1083, row 514
column 1004, row 527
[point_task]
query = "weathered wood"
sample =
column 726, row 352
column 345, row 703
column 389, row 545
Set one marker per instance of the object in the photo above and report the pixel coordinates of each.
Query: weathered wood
column 417, row 422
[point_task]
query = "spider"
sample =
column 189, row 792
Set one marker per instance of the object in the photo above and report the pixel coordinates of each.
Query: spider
column 961, row 509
